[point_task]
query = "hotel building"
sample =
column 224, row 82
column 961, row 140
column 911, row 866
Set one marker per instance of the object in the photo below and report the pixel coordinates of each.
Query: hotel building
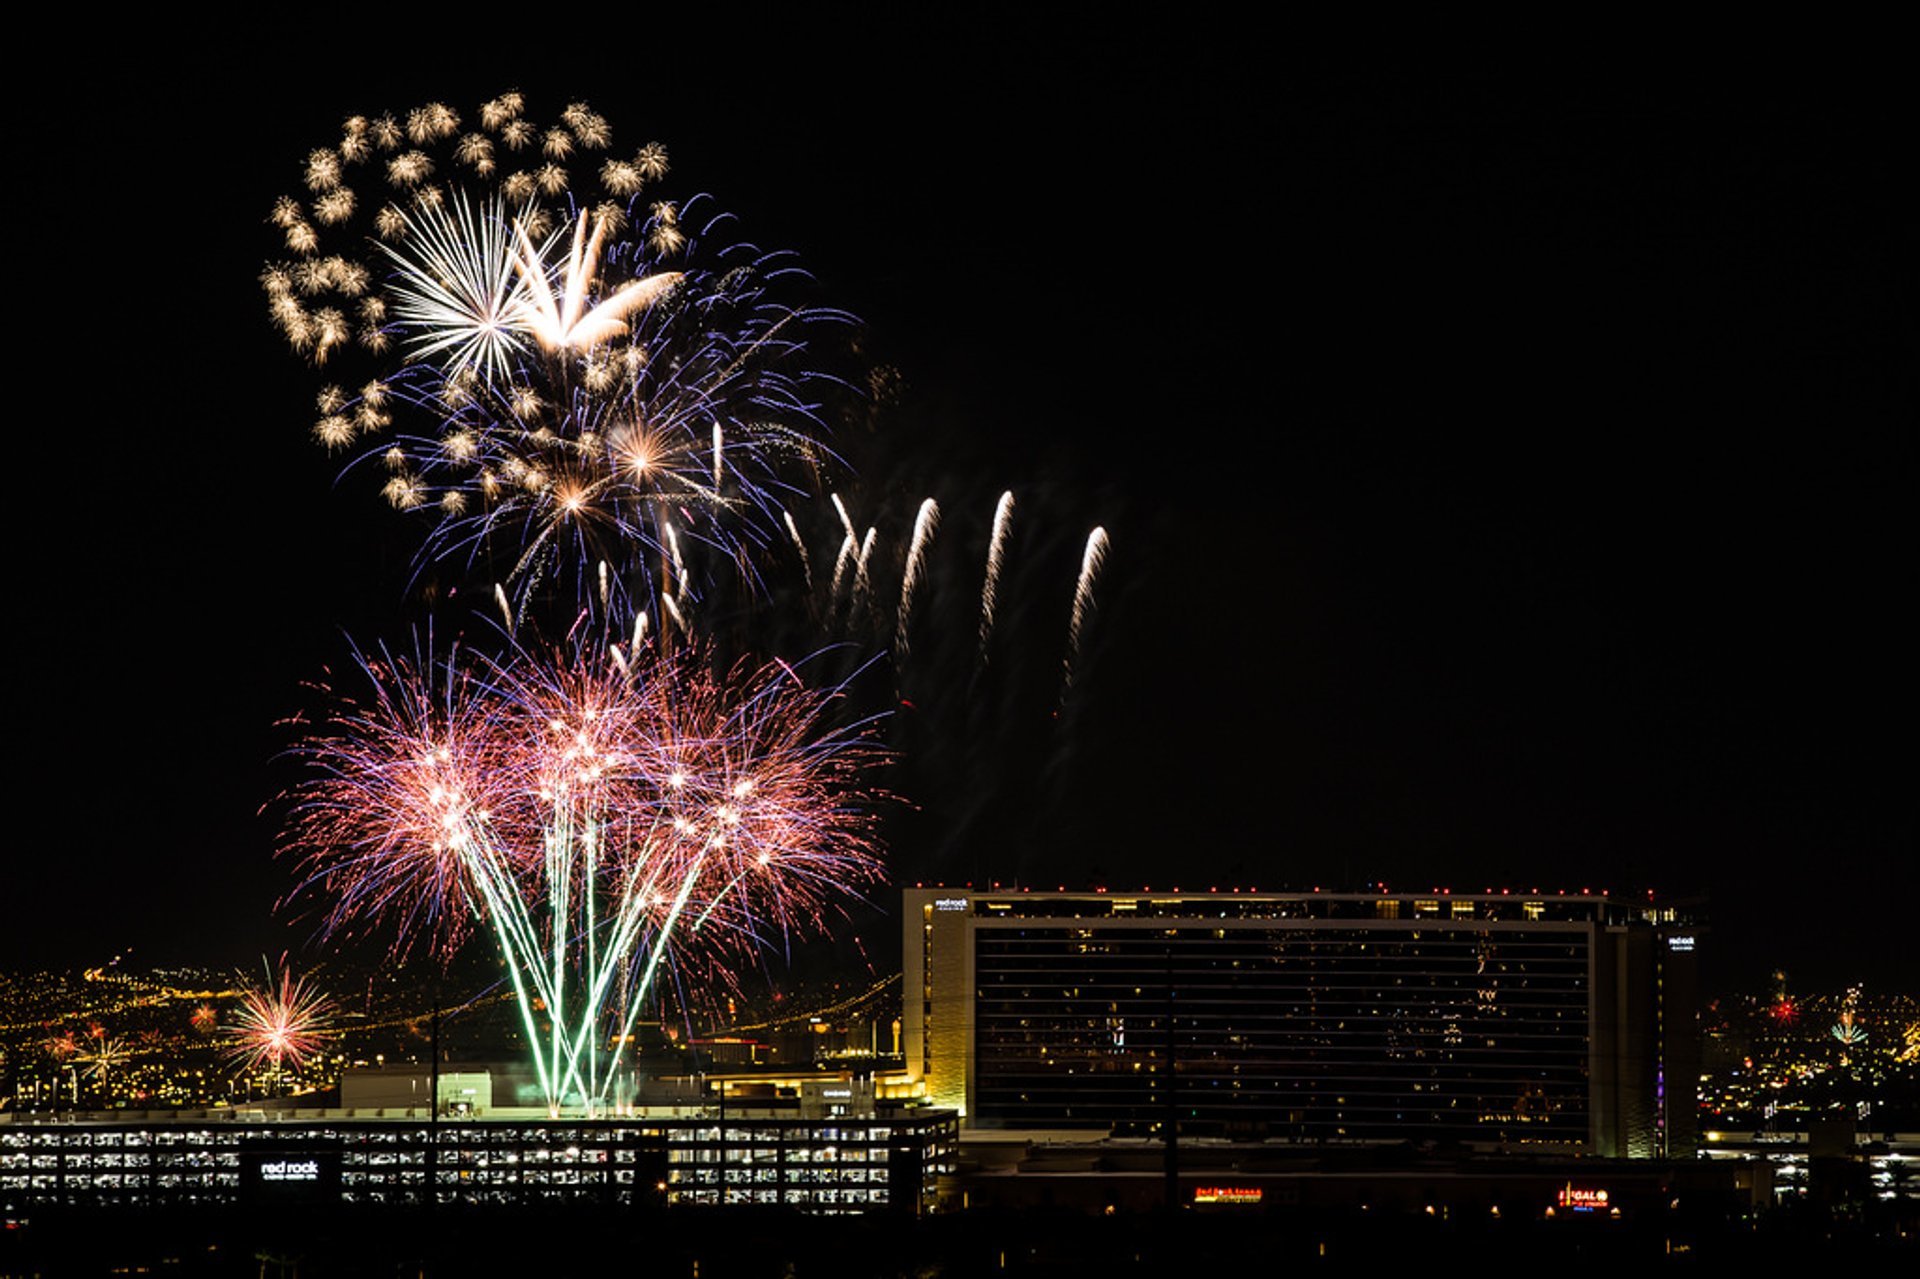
column 1557, row 1023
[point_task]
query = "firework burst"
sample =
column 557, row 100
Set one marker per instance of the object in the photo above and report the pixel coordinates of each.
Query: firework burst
column 278, row 1024
column 574, row 372
column 597, row 813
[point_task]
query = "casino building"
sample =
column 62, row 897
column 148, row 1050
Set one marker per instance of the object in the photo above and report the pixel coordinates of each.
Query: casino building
column 1548, row 1022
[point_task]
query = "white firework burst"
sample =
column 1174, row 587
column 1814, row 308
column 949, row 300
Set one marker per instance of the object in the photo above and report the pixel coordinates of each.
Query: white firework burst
column 459, row 294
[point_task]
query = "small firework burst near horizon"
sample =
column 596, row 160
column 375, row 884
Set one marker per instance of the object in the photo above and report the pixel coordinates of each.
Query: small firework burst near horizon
column 277, row 1024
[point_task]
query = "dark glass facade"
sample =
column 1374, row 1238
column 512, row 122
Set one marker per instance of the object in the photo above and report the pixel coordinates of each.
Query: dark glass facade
column 1560, row 1022
column 1325, row 1032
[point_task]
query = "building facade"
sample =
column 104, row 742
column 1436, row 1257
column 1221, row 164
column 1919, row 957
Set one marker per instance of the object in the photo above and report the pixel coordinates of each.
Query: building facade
column 832, row 1165
column 1546, row 1021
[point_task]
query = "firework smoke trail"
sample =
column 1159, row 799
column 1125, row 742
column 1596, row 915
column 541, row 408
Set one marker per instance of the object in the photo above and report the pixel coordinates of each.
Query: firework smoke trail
column 925, row 524
column 591, row 815
column 1090, row 562
column 996, row 557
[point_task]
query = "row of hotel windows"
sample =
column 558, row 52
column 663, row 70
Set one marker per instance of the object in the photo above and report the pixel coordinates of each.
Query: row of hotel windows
column 824, row 1168
column 822, row 1137
column 1575, row 910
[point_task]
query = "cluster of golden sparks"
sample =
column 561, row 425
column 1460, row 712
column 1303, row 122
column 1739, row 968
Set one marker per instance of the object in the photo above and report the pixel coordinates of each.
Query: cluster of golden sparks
column 387, row 168
column 502, row 302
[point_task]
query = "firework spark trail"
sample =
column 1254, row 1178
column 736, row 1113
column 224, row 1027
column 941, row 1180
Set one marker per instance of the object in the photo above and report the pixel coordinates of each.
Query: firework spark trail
column 862, row 581
column 925, row 524
column 679, row 564
column 846, row 521
column 1090, row 562
column 996, row 557
column 841, row 562
column 589, row 813
column 800, row 545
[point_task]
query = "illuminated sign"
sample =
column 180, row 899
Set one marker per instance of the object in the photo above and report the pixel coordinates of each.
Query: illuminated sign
column 949, row 903
column 291, row 1170
column 306, row 1173
column 836, row 1092
column 1582, row 1198
column 1683, row 941
column 1227, row 1194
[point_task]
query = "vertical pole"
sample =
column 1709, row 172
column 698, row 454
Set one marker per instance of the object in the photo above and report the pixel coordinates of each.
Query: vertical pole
column 433, row 1109
column 1170, row 1120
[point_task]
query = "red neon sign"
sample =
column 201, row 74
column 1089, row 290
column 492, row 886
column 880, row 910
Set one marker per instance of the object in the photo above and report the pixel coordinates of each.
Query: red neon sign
column 1582, row 1198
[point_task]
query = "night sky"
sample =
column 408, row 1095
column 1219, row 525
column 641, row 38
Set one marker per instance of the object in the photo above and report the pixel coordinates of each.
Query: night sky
column 1508, row 484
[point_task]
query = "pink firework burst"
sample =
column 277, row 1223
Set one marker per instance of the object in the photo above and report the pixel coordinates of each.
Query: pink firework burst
column 727, row 802
column 597, row 815
column 281, row 1023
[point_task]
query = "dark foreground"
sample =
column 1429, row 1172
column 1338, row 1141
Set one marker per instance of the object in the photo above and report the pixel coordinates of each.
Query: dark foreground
column 713, row 1244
